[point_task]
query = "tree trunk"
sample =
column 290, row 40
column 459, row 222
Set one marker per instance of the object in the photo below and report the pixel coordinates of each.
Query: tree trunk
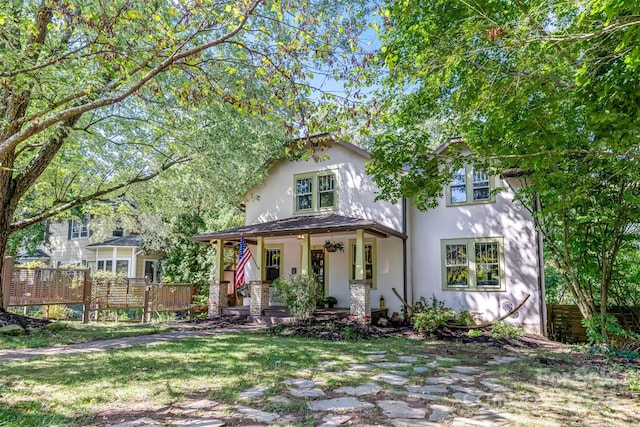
column 7, row 188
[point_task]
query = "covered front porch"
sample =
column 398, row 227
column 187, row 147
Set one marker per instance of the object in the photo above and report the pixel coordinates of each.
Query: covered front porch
column 360, row 276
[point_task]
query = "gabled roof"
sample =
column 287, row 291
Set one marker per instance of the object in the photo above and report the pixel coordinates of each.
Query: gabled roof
column 325, row 140
column 130, row 240
column 313, row 224
column 38, row 254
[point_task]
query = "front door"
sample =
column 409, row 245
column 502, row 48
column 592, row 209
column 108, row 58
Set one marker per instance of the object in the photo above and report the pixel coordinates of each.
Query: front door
column 318, row 268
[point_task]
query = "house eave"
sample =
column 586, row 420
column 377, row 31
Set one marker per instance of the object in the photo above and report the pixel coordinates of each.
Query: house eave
column 312, row 224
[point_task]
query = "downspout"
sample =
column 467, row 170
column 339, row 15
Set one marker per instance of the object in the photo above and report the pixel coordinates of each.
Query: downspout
column 541, row 288
column 404, row 248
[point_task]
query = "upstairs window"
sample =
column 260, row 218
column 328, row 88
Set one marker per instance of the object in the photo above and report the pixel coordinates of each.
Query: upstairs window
column 315, row 191
column 79, row 229
column 469, row 185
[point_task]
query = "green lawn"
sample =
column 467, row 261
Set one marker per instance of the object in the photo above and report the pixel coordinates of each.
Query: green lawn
column 92, row 389
column 75, row 332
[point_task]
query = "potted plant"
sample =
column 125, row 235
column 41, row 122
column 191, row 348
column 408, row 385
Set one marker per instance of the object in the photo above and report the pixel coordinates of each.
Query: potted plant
column 333, row 246
column 330, row 301
column 244, row 293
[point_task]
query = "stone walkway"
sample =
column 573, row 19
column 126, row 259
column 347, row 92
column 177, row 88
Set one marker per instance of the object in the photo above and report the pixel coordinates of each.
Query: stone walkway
column 388, row 395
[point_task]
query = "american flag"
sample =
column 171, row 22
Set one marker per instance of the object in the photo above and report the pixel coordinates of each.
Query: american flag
column 243, row 258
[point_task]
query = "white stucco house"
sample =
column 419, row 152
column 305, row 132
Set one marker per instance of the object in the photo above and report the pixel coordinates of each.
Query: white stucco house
column 477, row 251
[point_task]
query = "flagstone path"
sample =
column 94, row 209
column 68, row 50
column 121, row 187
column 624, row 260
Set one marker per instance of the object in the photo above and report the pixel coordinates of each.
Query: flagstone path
column 115, row 343
column 444, row 392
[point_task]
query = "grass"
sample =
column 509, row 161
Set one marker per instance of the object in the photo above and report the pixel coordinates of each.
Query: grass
column 82, row 389
column 74, row 332
column 70, row 390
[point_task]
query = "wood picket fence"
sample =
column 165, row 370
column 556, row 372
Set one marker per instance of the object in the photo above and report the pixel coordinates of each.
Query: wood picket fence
column 25, row 287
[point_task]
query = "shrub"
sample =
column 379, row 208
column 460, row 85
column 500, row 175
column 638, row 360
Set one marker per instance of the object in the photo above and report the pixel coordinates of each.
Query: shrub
column 475, row 333
column 299, row 292
column 429, row 321
column 594, row 327
column 503, row 329
column 428, row 316
column 57, row 311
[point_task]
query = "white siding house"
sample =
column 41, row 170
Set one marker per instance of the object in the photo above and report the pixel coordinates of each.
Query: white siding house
column 69, row 243
column 477, row 250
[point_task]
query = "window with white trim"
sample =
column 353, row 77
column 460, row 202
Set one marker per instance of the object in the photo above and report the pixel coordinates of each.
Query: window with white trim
column 79, row 229
column 470, row 185
column 104, row 265
column 369, row 260
column 315, row 191
column 119, row 266
column 473, row 264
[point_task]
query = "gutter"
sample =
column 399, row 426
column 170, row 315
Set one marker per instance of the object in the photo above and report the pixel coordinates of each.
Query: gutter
column 404, row 248
column 541, row 287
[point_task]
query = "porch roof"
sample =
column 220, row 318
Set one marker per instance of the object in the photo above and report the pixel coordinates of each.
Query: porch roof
column 313, row 224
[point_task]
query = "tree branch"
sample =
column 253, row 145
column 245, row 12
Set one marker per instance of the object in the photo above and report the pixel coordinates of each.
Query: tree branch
column 39, row 126
column 24, row 223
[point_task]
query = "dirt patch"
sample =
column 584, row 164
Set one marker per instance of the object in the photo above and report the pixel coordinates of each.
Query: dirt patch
column 218, row 322
column 24, row 321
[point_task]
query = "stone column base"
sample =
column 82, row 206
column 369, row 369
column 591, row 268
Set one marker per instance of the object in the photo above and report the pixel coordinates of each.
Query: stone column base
column 217, row 297
column 259, row 297
column 360, row 309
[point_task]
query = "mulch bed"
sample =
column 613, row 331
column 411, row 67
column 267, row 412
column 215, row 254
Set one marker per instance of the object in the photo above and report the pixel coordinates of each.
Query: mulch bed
column 24, row 321
column 339, row 330
column 218, row 322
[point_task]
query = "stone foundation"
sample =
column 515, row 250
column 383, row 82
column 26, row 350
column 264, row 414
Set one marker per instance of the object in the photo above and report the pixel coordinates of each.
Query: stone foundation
column 259, row 297
column 217, row 297
column 360, row 309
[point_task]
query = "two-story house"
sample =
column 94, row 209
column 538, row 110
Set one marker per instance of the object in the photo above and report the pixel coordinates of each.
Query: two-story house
column 68, row 243
column 477, row 251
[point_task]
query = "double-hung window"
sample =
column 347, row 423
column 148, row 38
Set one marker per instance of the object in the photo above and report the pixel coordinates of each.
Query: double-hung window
column 315, row 191
column 473, row 264
column 79, row 229
column 469, row 185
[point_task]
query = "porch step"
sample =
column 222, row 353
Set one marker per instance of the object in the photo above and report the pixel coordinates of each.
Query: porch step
column 276, row 312
column 236, row 311
column 270, row 320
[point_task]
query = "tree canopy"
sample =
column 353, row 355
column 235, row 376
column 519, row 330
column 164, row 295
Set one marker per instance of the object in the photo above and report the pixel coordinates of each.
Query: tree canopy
column 97, row 96
column 549, row 88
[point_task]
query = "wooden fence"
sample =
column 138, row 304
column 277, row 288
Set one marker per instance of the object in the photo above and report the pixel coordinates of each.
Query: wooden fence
column 24, row 287
column 564, row 322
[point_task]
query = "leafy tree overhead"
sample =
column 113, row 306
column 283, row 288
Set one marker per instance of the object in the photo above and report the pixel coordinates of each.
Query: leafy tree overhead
column 548, row 88
column 95, row 96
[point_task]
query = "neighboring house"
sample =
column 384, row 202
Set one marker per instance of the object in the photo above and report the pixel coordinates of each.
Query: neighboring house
column 477, row 251
column 69, row 243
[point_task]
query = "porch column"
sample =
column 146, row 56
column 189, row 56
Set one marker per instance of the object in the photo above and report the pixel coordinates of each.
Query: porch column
column 259, row 297
column 218, row 287
column 359, row 287
column 305, row 262
column 260, row 272
column 259, row 289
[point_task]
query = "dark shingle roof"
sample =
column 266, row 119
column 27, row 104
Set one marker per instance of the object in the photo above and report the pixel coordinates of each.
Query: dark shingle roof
column 314, row 224
column 130, row 240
